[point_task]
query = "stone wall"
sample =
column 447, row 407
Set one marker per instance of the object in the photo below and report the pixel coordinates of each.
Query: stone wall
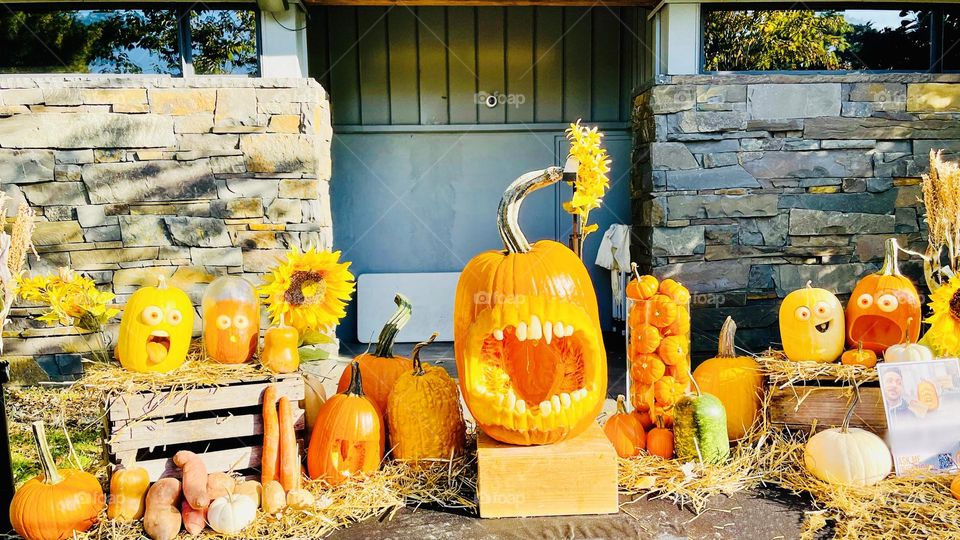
column 132, row 177
column 747, row 186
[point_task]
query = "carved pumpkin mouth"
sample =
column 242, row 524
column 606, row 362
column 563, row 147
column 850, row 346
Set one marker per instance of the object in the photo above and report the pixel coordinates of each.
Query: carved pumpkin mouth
column 533, row 374
column 823, row 327
column 876, row 330
column 158, row 346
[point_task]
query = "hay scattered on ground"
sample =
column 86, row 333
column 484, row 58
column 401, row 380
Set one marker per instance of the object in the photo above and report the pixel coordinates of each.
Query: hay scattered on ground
column 782, row 372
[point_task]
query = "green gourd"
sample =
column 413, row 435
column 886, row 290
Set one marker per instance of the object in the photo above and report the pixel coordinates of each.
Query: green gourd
column 700, row 429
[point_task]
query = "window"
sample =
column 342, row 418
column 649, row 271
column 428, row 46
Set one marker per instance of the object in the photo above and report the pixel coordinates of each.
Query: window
column 829, row 37
column 50, row 39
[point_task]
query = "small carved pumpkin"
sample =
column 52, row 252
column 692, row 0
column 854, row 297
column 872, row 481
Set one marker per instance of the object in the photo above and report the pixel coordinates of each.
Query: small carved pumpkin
column 155, row 329
column 348, row 436
column 381, row 368
column 625, row 432
column 231, row 320
column 859, row 357
column 927, row 395
column 423, row 413
column 812, row 325
column 736, row 380
column 884, row 308
column 527, row 335
column 57, row 502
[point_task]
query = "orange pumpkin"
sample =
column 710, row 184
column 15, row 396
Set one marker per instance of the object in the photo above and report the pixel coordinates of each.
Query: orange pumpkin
column 645, row 339
column 348, row 435
column 667, row 390
column 641, row 287
column 280, row 353
column 645, row 419
column 660, row 441
column 231, row 320
column 381, row 368
column 661, row 310
column 955, row 487
column 674, row 349
column 736, row 380
column 675, row 291
column 527, row 335
column 57, row 502
column 927, row 395
column 647, row 368
column 859, row 357
column 625, row 432
column 884, row 308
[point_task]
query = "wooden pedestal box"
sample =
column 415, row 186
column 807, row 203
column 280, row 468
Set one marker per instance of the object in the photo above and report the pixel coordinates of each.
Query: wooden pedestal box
column 576, row 476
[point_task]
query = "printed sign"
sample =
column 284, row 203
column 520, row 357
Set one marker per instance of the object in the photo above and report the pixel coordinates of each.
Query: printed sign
column 922, row 402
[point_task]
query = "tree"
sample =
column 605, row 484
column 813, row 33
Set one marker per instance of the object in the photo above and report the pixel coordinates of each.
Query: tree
column 774, row 40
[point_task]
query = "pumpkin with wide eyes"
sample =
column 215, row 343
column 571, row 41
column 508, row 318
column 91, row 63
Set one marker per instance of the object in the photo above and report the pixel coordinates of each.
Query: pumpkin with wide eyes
column 812, row 325
column 155, row 329
column 928, row 395
column 884, row 308
column 231, row 320
column 528, row 345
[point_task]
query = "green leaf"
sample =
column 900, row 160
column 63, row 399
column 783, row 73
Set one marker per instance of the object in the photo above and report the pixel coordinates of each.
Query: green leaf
column 312, row 353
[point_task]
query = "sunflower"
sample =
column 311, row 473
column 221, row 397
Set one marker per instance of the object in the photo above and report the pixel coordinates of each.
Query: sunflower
column 944, row 333
column 308, row 290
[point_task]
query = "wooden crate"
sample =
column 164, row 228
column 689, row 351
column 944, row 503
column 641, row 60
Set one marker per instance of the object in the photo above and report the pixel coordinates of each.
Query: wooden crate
column 826, row 403
column 223, row 424
column 576, row 476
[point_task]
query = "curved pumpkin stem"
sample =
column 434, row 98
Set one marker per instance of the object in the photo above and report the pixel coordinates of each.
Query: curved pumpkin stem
column 726, row 347
column 634, row 271
column 417, row 364
column 50, row 473
column 508, row 214
column 621, row 404
column 890, row 266
column 845, row 426
column 399, row 319
column 161, row 281
column 356, row 383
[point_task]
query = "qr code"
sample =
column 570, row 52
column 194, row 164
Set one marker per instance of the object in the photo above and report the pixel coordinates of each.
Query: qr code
column 944, row 461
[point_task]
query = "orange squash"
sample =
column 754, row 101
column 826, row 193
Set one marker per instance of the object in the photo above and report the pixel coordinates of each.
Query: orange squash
column 57, row 502
column 280, row 353
column 231, row 320
column 348, row 437
column 884, row 308
column 155, row 329
column 128, row 491
column 859, row 357
column 527, row 334
column 625, row 432
column 381, row 369
column 736, row 380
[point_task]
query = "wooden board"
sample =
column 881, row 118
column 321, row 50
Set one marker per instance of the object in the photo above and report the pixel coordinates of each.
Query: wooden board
column 522, row 481
column 799, row 406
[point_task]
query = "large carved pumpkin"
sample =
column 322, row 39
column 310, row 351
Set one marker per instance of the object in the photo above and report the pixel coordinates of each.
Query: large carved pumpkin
column 155, row 329
column 231, row 320
column 884, row 308
column 529, row 351
column 811, row 325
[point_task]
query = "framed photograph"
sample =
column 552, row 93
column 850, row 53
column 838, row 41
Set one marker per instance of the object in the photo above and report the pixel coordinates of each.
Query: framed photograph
column 922, row 403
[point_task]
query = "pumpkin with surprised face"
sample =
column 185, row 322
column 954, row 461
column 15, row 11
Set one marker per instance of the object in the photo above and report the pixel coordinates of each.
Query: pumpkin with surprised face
column 231, row 320
column 812, row 325
column 527, row 335
column 155, row 329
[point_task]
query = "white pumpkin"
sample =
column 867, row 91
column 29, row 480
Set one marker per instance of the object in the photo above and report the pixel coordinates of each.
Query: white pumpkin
column 313, row 396
column 907, row 352
column 231, row 513
column 847, row 455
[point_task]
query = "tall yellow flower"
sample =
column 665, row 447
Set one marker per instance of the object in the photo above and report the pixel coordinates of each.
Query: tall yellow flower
column 309, row 290
column 592, row 182
column 944, row 333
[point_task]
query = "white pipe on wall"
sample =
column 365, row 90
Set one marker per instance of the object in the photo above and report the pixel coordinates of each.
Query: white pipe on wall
column 283, row 36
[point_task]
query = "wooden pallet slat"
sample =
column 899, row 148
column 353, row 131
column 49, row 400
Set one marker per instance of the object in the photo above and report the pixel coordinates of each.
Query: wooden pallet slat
column 800, row 406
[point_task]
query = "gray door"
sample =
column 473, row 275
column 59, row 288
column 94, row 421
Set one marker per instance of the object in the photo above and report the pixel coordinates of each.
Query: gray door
column 420, row 162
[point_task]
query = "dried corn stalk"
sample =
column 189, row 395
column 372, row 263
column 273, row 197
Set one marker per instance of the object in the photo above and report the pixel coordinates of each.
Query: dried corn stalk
column 941, row 197
column 14, row 247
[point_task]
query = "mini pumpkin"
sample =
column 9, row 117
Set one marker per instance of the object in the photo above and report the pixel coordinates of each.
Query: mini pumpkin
column 231, row 320
column 647, row 368
column 859, row 357
column 423, row 413
column 348, row 437
column 231, row 513
column 907, row 352
column 847, row 455
column 645, row 339
column 527, row 336
column 624, row 431
column 57, row 502
column 735, row 379
column 812, row 325
column 155, row 329
column 641, row 287
column 660, row 441
column 382, row 367
column 884, row 308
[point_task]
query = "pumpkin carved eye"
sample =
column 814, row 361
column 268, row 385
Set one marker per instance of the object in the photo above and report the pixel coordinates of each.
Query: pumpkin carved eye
column 174, row 316
column 887, row 303
column 241, row 321
column 803, row 313
column 223, row 322
column 821, row 309
column 151, row 315
column 864, row 301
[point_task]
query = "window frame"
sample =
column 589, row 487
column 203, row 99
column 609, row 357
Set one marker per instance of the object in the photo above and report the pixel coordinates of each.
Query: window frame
column 184, row 42
column 934, row 40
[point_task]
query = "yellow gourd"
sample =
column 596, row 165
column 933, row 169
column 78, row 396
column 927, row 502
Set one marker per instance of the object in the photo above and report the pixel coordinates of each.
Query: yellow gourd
column 128, row 492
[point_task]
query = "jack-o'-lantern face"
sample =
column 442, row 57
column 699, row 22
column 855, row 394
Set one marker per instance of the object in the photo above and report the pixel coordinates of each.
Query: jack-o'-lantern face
column 155, row 329
column 884, row 308
column 812, row 325
column 527, row 335
column 231, row 320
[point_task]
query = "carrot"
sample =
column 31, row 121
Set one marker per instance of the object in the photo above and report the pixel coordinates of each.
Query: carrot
column 289, row 455
column 269, row 460
column 194, row 479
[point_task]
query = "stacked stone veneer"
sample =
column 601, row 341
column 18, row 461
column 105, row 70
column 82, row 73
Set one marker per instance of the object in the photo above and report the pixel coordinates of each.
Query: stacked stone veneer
column 134, row 177
column 745, row 187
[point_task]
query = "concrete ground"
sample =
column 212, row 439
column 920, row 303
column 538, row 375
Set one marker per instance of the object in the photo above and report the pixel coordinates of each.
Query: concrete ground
column 766, row 514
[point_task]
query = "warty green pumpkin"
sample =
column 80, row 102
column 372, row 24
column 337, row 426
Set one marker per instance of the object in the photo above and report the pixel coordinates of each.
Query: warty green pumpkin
column 700, row 429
